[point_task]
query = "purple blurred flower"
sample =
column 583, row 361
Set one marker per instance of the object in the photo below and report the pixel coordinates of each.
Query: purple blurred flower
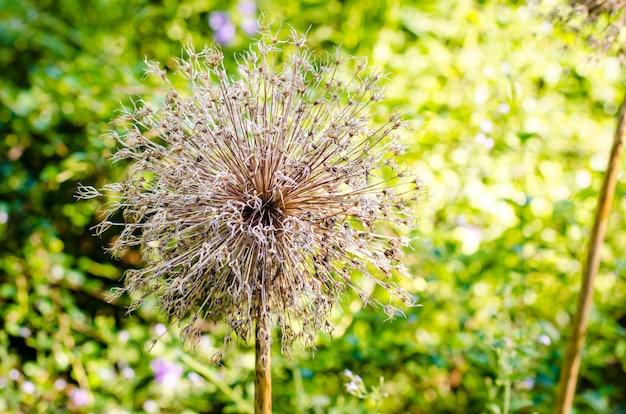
column 217, row 20
column 249, row 26
column 247, row 7
column 79, row 396
column 225, row 34
column 166, row 373
column 223, row 27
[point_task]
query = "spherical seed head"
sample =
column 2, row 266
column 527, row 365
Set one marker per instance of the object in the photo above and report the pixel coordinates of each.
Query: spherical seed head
column 601, row 23
column 260, row 194
column 596, row 8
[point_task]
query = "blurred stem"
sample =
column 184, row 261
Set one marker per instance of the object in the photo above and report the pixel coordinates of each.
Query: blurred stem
column 262, row 367
column 571, row 364
column 507, row 396
column 300, row 394
column 242, row 405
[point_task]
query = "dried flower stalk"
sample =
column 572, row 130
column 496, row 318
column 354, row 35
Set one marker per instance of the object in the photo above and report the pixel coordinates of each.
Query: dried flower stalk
column 609, row 37
column 601, row 23
column 259, row 198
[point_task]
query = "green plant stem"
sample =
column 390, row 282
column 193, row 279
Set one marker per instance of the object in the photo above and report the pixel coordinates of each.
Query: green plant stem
column 571, row 363
column 300, row 394
column 507, row 396
column 242, row 405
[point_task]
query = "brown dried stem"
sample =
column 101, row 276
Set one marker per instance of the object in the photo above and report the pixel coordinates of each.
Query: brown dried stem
column 262, row 367
column 571, row 364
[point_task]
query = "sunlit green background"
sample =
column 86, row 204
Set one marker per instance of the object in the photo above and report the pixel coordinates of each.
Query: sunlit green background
column 510, row 120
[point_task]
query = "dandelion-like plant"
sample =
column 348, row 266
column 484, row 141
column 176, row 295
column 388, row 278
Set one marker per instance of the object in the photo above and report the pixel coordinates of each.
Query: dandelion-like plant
column 257, row 199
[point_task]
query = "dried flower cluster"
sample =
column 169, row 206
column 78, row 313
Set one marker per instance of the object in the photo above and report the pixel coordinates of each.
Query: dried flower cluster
column 260, row 196
column 600, row 22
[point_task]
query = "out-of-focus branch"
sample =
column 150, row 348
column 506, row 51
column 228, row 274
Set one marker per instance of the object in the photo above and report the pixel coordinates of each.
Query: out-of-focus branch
column 571, row 364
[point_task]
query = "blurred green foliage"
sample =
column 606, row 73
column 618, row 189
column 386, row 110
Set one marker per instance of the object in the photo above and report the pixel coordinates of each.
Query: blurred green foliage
column 510, row 129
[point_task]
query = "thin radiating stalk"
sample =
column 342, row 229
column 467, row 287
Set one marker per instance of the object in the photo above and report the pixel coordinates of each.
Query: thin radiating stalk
column 571, row 364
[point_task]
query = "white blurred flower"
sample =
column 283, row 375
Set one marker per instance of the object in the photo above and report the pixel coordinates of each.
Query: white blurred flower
column 150, row 406
column 544, row 339
column 352, row 386
column 128, row 373
column 160, row 329
column 28, row 387
column 527, row 384
column 79, row 396
column 484, row 140
column 60, row 384
column 195, row 379
column 15, row 374
column 486, row 126
column 504, row 108
column 123, row 336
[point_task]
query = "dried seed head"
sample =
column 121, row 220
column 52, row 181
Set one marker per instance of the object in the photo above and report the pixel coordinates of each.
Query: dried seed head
column 260, row 196
column 601, row 23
